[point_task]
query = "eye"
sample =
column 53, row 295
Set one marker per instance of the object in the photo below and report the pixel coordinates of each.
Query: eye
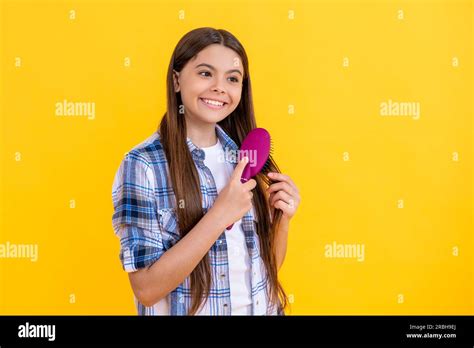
column 234, row 79
column 205, row 72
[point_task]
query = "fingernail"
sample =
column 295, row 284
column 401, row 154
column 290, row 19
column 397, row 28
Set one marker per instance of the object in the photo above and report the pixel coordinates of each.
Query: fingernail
column 270, row 174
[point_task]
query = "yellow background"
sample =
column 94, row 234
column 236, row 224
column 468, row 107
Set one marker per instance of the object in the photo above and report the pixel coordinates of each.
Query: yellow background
column 295, row 63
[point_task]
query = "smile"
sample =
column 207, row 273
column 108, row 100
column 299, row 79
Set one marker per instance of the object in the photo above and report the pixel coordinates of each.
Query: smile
column 213, row 104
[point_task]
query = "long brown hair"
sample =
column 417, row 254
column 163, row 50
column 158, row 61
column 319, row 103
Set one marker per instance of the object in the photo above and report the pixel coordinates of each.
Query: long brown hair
column 184, row 175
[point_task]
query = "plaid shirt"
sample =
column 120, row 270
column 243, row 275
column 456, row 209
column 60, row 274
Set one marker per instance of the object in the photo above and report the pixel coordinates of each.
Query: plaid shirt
column 145, row 220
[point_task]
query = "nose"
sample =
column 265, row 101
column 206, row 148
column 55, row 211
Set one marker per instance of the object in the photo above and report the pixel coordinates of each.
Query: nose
column 217, row 88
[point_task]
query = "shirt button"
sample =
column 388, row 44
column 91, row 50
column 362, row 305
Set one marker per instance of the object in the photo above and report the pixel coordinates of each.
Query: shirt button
column 225, row 304
column 222, row 275
column 257, row 302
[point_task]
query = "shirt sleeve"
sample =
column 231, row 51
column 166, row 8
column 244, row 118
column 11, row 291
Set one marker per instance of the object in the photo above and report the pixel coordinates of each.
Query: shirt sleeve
column 135, row 218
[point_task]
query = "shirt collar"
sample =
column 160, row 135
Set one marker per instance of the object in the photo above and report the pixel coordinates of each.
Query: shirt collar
column 230, row 147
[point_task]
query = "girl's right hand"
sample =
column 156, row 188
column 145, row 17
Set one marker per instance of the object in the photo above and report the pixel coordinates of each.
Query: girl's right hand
column 235, row 199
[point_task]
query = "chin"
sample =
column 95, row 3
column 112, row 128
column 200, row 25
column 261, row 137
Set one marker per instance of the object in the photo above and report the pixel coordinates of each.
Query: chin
column 212, row 116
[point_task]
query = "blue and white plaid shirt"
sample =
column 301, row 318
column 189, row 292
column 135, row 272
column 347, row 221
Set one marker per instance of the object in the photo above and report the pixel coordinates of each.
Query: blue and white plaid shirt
column 145, row 220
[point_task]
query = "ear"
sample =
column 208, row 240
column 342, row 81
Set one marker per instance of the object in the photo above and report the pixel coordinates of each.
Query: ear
column 176, row 81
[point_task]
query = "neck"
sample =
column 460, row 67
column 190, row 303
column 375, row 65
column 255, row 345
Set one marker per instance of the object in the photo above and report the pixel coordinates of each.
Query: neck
column 201, row 134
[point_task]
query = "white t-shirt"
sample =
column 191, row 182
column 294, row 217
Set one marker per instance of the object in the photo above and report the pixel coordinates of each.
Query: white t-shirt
column 238, row 256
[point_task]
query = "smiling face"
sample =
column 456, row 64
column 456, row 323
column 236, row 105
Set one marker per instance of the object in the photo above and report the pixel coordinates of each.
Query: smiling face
column 210, row 84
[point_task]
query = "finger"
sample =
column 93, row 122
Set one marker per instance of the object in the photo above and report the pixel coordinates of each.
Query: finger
column 292, row 201
column 282, row 186
column 282, row 195
column 239, row 169
column 270, row 199
column 287, row 179
column 282, row 177
column 283, row 206
column 250, row 185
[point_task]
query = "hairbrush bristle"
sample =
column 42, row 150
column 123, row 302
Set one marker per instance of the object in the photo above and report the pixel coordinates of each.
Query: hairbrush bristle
column 266, row 166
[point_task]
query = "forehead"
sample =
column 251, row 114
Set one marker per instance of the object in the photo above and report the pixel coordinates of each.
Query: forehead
column 219, row 56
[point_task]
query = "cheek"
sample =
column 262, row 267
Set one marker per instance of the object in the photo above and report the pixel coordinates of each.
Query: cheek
column 192, row 88
column 236, row 95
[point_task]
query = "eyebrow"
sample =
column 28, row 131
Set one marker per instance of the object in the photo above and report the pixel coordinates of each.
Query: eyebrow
column 212, row 68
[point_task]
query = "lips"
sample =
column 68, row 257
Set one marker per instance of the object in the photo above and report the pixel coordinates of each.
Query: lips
column 213, row 103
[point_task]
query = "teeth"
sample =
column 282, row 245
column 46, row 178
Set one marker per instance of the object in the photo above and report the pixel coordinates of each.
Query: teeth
column 213, row 102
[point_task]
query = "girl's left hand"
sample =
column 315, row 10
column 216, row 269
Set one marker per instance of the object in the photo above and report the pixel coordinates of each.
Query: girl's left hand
column 284, row 195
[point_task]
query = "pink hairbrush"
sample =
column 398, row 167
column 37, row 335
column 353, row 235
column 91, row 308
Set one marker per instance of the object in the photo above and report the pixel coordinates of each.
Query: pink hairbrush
column 257, row 148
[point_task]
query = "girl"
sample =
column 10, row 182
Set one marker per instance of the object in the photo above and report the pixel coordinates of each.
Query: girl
column 175, row 193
